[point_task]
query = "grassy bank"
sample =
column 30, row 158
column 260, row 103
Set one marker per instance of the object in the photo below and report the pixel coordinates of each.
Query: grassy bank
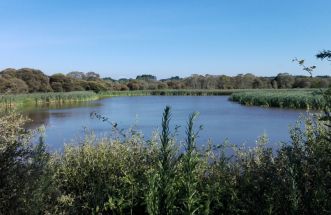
column 299, row 99
column 9, row 100
column 65, row 97
column 287, row 98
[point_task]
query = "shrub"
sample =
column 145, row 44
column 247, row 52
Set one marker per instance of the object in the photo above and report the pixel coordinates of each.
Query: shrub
column 23, row 166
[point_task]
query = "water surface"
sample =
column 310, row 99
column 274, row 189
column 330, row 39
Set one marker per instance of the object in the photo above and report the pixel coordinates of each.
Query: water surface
column 220, row 118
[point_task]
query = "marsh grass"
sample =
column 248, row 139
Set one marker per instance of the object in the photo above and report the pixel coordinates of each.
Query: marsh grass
column 10, row 100
column 284, row 98
column 297, row 99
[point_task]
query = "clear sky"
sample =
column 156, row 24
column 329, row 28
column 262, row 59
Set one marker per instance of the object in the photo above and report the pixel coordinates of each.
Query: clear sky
column 165, row 38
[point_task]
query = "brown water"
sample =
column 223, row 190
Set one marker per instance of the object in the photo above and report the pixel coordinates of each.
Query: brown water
column 220, row 118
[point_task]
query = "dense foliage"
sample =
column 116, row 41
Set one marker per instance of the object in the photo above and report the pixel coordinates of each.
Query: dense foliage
column 31, row 80
column 326, row 54
column 23, row 168
column 128, row 175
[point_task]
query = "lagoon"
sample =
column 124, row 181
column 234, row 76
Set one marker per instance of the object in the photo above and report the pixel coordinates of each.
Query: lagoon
column 221, row 119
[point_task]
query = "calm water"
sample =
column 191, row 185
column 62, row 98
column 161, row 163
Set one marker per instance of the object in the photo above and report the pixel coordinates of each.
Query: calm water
column 220, row 118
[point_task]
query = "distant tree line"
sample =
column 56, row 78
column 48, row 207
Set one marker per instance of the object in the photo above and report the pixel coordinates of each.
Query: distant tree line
column 28, row 80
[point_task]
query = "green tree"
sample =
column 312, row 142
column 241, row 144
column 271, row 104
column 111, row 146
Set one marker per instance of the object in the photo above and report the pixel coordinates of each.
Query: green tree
column 36, row 80
column 326, row 54
column 284, row 80
column 327, row 95
column 77, row 75
column 146, row 77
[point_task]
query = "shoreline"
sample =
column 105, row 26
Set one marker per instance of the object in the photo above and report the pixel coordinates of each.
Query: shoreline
column 279, row 98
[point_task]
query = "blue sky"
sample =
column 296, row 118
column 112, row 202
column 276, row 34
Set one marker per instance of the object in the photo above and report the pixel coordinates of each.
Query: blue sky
column 164, row 38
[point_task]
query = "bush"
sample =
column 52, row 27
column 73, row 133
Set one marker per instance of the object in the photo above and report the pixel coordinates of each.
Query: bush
column 13, row 85
column 104, row 176
column 57, row 86
column 36, row 80
column 22, row 168
column 96, row 86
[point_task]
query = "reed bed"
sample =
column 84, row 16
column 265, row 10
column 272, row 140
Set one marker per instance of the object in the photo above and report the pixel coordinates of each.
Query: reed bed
column 9, row 100
column 294, row 98
column 298, row 99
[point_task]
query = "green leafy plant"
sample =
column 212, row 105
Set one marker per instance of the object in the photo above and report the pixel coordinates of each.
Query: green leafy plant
column 162, row 183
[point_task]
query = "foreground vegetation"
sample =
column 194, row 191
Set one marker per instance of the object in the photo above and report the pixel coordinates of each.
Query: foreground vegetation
column 301, row 99
column 128, row 175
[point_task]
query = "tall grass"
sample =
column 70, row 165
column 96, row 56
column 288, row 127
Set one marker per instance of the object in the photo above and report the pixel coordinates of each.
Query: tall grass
column 9, row 100
column 300, row 99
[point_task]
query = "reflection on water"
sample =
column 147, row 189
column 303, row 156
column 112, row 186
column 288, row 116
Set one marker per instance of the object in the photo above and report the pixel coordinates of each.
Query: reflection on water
column 220, row 118
column 40, row 114
column 37, row 119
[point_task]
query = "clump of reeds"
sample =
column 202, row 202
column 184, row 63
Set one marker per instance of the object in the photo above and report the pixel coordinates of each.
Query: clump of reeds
column 8, row 100
column 299, row 99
